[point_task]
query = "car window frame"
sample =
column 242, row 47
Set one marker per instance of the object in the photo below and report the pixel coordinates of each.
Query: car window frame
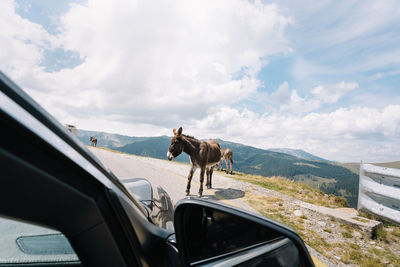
column 108, row 222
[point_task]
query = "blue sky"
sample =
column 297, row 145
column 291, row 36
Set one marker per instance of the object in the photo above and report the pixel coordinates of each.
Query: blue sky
column 47, row 13
column 322, row 77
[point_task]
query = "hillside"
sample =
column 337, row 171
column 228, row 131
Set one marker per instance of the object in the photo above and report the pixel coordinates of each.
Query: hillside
column 297, row 153
column 329, row 177
column 155, row 147
column 107, row 139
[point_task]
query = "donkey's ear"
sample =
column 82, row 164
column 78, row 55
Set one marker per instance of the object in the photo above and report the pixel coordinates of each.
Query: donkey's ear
column 174, row 131
column 180, row 131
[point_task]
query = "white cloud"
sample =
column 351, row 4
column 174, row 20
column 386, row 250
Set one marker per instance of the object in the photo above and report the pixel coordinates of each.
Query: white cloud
column 290, row 100
column 299, row 104
column 332, row 93
column 376, row 76
column 21, row 44
column 347, row 134
column 147, row 64
column 281, row 95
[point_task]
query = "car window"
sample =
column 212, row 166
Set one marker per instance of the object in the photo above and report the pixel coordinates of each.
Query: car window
column 27, row 243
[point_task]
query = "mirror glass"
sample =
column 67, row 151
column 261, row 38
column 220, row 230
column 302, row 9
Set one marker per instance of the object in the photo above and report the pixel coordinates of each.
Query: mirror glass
column 212, row 234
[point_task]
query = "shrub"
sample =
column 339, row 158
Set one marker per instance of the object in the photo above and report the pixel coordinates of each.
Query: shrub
column 341, row 201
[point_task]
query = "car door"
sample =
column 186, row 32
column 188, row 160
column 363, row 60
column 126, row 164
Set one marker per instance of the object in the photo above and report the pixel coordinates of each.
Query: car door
column 51, row 181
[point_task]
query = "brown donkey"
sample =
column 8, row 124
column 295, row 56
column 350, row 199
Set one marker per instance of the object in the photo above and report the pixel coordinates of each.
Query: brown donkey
column 227, row 156
column 93, row 141
column 203, row 155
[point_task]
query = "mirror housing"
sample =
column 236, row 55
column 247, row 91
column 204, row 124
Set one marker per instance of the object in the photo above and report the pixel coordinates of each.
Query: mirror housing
column 141, row 189
column 210, row 233
column 157, row 203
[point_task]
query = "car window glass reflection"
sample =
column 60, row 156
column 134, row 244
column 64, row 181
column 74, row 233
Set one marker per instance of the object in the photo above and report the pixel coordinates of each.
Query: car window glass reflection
column 209, row 233
column 23, row 242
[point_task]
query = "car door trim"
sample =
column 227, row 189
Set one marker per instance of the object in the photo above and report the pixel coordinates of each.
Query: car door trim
column 246, row 255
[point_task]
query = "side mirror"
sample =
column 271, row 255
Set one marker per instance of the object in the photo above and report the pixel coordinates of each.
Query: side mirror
column 159, row 203
column 210, row 233
column 141, row 189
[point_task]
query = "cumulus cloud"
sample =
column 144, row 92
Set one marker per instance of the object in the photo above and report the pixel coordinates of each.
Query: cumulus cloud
column 290, row 100
column 332, row 93
column 347, row 134
column 22, row 44
column 159, row 65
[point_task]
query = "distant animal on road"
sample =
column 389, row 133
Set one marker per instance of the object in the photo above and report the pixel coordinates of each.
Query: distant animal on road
column 93, row 141
column 203, row 154
column 227, row 156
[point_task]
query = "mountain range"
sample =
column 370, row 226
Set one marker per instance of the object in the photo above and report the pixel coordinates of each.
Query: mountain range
column 294, row 164
column 297, row 153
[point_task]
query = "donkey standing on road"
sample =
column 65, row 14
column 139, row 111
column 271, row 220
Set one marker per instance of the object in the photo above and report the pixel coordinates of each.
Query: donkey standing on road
column 227, row 157
column 93, row 141
column 203, row 155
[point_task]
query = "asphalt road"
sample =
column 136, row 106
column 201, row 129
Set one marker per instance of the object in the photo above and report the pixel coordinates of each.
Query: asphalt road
column 172, row 176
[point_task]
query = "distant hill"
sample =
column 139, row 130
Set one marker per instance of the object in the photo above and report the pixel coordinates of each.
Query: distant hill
column 108, row 140
column 155, row 147
column 327, row 176
column 297, row 153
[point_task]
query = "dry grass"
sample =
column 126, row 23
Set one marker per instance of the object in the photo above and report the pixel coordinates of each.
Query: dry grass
column 297, row 190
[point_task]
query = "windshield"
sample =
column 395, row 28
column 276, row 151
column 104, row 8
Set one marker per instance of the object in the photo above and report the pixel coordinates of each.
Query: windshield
column 285, row 108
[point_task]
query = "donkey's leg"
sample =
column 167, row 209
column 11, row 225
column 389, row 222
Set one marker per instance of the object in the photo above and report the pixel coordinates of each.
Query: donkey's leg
column 203, row 169
column 231, row 166
column 192, row 170
column 211, row 172
column 227, row 166
column 208, row 177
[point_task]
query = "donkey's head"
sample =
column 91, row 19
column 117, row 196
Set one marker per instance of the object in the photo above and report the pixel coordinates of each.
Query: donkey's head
column 176, row 147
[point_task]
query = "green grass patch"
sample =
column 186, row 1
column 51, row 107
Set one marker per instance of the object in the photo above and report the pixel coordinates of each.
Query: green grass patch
column 380, row 234
column 347, row 235
column 360, row 219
